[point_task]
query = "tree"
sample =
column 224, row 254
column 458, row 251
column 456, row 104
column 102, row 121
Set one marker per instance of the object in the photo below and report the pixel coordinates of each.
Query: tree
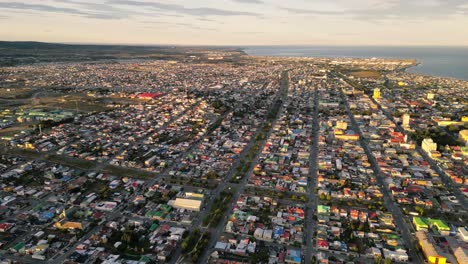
column 322, row 196
column 419, row 209
column 378, row 260
column 261, row 257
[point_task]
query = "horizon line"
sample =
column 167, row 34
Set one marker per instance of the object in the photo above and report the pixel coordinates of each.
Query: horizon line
column 236, row 46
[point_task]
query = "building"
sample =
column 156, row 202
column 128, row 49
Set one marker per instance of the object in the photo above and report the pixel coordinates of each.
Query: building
column 293, row 256
column 425, row 223
column 430, row 96
column 459, row 249
column 68, row 225
column 352, row 137
column 463, row 233
column 323, row 209
column 406, row 120
column 461, row 254
column 428, row 145
column 147, row 96
column 441, row 226
column 419, row 223
column 376, row 94
column 4, row 227
column 342, row 125
column 188, row 204
column 430, row 251
column 397, row 255
column 464, row 135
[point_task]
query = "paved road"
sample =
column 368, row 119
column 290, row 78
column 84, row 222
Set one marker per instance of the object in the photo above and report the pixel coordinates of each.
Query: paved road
column 312, row 182
column 162, row 128
column 216, row 193
column 217, row 231
column 387, row 200
column 117, row 213
column 445, row 178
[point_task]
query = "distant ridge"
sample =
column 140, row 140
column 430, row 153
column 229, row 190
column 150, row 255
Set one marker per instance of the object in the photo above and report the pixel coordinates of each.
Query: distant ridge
column 28, row 52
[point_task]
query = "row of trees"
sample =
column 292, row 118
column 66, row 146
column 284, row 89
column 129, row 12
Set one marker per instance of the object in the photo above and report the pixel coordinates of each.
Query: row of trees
column 218, row 208
column 194, row 244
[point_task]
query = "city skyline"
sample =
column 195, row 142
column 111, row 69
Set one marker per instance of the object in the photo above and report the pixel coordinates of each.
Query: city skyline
column 238, row 22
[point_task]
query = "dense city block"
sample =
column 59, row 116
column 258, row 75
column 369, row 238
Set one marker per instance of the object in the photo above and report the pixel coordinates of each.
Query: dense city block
column 213, row 156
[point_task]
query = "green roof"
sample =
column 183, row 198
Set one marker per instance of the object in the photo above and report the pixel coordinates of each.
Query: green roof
column 165, row 208
column 153, row 213
column 420, row 222
column 439, row 224
column 18, row 246
column 145, row 259
column 153, row 227
column 323, row 209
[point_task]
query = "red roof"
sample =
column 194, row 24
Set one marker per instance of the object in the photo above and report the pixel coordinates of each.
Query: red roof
column 150, row 95
column 322, row 243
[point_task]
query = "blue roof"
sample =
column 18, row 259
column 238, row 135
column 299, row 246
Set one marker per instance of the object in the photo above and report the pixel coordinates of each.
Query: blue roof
column 295, row 253
column 65, row 178
column 47, row 215
column 279, row 231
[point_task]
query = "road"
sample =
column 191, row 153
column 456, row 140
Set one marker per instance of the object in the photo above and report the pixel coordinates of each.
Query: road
column 113, row 215
column 217, row 231
column 215, row 194
column 312, row 182
column 445, row 178
column 387, row 200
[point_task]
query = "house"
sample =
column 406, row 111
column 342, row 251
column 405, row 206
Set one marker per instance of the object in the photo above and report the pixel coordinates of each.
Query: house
column 18, row 248
column 4, row 227
column 419, row 223
column 68, row 225
column 293, row 256
column 463, row 233
column 322, row 244
column 431, row 252
column 397, row 255
column 188, row 204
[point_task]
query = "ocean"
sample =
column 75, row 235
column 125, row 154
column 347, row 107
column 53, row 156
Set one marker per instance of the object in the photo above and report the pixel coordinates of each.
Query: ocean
column 436, row 61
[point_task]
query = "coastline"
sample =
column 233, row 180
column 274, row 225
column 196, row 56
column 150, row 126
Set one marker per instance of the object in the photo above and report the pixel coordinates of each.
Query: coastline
column 437, row 61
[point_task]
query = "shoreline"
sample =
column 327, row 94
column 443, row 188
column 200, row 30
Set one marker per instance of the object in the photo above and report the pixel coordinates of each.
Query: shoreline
column 415, row 65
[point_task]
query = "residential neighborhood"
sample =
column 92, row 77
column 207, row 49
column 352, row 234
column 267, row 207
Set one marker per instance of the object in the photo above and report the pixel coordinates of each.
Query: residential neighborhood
column 256, row 160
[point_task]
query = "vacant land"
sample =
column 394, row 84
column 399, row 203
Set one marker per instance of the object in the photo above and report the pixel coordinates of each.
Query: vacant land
column 74, row 102
column 365, row 74
column 16, row 129
column 16, row 93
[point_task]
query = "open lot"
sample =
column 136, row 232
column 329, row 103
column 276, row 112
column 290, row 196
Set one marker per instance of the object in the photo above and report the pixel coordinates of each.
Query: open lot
column 16, row 93
column 366, row 74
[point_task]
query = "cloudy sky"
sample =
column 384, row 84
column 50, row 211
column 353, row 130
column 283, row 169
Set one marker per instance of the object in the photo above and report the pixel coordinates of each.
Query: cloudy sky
column 238, row 22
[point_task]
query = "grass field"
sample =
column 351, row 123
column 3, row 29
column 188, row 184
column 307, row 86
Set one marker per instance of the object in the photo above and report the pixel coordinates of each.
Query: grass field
column 129, row 172
column 16, row 93
column 11, row 131
column 365, row 74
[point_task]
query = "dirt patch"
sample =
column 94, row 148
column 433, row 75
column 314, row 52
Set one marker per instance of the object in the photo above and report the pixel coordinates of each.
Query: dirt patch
column 365, row 74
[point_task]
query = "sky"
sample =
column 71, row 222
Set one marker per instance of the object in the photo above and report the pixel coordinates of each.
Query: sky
column 238, row 22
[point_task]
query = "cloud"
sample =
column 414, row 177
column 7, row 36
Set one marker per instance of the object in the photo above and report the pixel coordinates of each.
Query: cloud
column 66, row 10
column 380, row 10
column 194, row 11
column 104, row 11
column 310, row 11
column 40, row 7
column 411, row 10
column 249, row 1
column 181, row 24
